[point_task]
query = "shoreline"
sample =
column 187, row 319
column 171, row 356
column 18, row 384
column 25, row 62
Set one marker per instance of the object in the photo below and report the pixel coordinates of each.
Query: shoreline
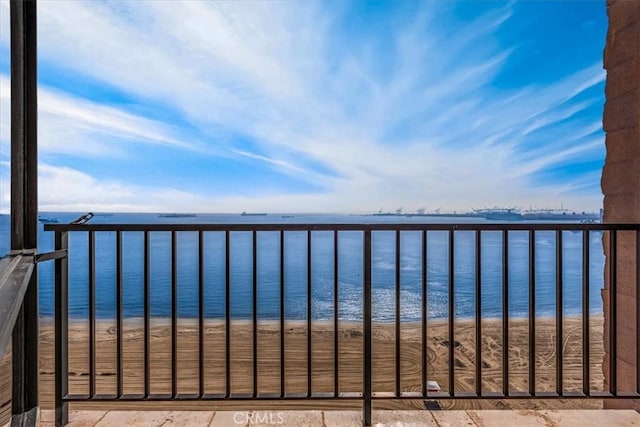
column 210, row 321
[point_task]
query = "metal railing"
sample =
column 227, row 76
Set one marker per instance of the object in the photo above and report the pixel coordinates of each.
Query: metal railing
column 365, row 234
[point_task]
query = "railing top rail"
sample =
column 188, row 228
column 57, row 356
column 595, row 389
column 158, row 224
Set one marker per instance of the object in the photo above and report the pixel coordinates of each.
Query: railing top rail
column 519, row 226
column 15, row 272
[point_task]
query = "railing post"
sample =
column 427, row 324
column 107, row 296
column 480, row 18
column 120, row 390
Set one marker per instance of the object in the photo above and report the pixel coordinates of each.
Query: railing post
column 367, row 329
column 61, row 330
column 613, row 312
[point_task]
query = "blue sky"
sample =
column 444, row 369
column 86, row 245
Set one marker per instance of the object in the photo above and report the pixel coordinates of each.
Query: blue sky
column 315, row 106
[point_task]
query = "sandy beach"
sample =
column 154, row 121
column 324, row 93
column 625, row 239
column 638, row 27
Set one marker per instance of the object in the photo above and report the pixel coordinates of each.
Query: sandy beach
column 350, row 362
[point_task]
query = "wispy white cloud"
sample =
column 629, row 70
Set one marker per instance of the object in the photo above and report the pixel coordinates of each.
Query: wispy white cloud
column 84, row 192
column 78, row 126
column 421, row 123
column 558, row 157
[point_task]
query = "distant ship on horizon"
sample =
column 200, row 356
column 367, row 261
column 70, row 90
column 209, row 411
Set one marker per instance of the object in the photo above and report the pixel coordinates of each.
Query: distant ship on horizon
column 45, row 220
column 515, row 214
column 499, row 214
column 559, row 215
column 176, row 215
column 253, row 213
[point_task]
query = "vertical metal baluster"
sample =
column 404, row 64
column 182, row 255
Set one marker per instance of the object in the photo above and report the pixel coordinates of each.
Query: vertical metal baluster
column 613, row 304
column 559, row 329
column 367, row 328
column 397, row 284
column 505, row 312
column 638, row 310
column 119, row 370
column 147, row 314
column 452, row 313
column 174, row 315
column 201, row 314
column 532, row 313
column 478, row 313
column 282, row 329
column 61, row 331
column 336, row 312
column 254, row 310
column 92, row 315
column 309, row 323
column 586, row 350
column 424, row 313
column 227, row 314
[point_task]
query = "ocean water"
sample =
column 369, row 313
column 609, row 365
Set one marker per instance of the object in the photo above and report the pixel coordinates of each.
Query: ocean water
column 350, row 266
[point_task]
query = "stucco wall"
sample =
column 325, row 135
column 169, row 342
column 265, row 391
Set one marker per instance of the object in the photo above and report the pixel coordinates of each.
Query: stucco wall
column 621, row 180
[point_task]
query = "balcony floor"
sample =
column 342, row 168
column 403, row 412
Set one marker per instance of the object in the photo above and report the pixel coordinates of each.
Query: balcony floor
column 468, row 418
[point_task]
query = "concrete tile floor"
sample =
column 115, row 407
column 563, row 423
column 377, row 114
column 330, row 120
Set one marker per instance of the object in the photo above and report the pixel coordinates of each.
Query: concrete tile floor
column 470, row 418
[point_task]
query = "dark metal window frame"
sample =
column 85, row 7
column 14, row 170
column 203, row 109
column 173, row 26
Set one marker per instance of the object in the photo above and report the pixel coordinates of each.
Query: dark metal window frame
column 18, row 272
